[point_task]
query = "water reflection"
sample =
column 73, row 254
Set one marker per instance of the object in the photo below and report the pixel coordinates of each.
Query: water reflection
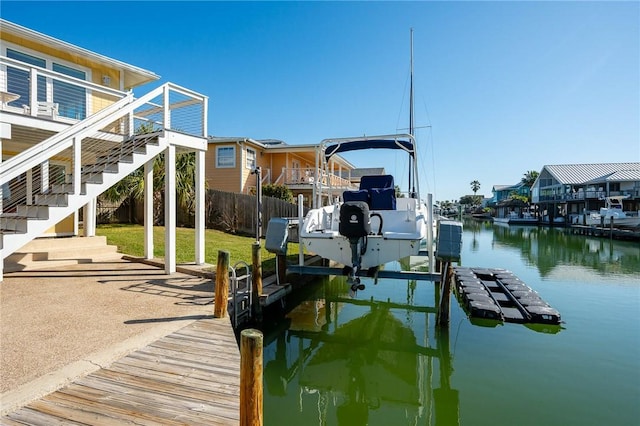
column 548, row 248
column 359, row 361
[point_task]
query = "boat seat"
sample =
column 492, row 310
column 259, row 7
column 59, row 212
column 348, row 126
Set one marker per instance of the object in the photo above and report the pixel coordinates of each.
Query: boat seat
column 360, row 195
column 383, row 198
column 376, row 181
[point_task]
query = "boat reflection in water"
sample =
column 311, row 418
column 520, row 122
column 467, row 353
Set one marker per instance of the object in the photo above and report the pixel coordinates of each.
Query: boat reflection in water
column 359, row 361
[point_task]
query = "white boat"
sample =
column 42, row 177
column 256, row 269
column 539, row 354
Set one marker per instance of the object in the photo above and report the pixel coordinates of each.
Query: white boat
column 369, row 227
column 613, row 210
column 513, row 218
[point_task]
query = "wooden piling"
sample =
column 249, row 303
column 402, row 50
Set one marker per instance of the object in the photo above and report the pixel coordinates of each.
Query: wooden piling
column 256, row 280
column 251, row 378
column 281, row 260
column 442, row 319
column 222, row 285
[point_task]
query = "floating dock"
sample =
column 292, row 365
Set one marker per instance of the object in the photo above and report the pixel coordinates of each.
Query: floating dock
column 499, row 295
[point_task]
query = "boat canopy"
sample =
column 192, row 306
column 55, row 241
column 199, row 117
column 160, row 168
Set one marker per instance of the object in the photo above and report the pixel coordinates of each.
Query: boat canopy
column 345, row 145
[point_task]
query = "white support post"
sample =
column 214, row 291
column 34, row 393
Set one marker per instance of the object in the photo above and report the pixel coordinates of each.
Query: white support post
column 44, row 176
column 166, row 118
column 33, row 92
column 148, row 209
column 77, row 164
column 430, row 231
column 89, row 218
column 300, row 221
column 200, row 201
column 29, row 178
column 170, row 210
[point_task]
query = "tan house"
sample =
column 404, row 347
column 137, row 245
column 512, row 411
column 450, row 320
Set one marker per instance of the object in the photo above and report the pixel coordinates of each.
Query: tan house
column 71, row 127
column 231, row 162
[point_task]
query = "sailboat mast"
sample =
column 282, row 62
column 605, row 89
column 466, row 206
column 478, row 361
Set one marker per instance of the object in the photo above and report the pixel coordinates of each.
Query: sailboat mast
column 411, row 183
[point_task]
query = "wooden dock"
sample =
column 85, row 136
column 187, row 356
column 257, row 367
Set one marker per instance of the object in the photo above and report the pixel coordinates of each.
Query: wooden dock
column 189, row 377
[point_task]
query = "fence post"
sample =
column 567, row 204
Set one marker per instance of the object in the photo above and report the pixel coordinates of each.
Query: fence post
column 222, row 285
column 251, row 377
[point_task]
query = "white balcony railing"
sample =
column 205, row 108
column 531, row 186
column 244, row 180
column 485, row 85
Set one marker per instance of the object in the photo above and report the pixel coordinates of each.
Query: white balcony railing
column 295, row 176
column 42, row 93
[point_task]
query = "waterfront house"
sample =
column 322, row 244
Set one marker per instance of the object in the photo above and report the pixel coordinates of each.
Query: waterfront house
column 571, row 190
column 231, row 162
column 71, row 127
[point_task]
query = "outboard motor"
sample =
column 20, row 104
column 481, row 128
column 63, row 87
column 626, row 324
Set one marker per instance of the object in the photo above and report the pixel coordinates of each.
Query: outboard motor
column 355, row 225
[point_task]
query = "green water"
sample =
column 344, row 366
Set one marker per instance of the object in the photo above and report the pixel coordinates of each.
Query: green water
column 379, row 359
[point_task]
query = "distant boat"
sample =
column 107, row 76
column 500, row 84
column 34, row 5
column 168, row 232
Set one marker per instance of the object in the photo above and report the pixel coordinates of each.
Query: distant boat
column 613, row 210
column 513, row 218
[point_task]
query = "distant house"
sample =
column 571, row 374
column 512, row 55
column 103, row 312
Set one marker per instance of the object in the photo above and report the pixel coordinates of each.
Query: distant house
column 572, row 189
column 503, row 192
column 355, row 175
column 231, row 162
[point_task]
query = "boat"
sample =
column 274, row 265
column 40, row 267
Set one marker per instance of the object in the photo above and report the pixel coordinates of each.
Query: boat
column 613, row 211
column 514, row 218
column 371, row 226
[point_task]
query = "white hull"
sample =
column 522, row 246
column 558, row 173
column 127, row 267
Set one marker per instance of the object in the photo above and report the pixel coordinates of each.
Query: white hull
column 595, row 219
column 402, row 232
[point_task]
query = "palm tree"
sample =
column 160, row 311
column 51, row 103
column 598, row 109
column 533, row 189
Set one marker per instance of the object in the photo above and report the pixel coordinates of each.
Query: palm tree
column 529, row 178
column 132, row 187
column 475, row 186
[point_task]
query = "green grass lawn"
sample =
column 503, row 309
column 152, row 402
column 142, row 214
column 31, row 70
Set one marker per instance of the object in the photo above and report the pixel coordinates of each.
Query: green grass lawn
column 130, row 241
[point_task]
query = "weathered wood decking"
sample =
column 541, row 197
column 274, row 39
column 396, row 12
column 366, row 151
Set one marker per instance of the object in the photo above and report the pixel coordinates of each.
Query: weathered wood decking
column 189, row 377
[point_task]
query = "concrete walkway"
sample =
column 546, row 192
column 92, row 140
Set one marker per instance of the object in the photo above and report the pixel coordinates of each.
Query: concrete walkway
column 61, row 324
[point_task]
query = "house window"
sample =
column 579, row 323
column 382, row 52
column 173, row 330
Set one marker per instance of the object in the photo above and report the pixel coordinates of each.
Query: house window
column 71, row 98
column 251, row 158
column 18, row 80
column 226, row 156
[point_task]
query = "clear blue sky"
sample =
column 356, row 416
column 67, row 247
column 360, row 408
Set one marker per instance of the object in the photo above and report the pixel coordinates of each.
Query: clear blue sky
column 505, row 87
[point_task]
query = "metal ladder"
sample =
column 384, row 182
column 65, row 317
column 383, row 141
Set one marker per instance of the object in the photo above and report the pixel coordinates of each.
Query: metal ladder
column 241, row 293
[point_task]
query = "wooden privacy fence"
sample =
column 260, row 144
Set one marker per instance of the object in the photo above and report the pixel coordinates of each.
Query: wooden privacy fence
column 225, row 211
column 231, row 212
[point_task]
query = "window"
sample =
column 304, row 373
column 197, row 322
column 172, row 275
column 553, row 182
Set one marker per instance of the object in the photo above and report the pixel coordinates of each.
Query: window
column 71, row 98
column 18, row 80
column 226, row 156
column 251, row 158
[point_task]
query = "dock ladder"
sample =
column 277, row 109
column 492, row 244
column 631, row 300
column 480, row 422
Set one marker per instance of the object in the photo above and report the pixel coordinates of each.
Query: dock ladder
column 241, row 293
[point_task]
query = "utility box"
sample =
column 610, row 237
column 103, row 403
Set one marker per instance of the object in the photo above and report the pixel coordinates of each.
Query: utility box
column 277, row 235
column 449, row 242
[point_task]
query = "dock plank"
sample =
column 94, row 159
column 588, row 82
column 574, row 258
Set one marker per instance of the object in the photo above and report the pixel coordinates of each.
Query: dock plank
column 191, row 376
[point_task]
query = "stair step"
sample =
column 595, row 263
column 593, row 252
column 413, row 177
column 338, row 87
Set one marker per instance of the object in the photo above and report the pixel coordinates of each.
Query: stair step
column 34, row 211
column 60, row 200
column 101, row 168
column 53, row 243
column 13, row 224
column 92, row 178
column 57, row 252
column 115, row 158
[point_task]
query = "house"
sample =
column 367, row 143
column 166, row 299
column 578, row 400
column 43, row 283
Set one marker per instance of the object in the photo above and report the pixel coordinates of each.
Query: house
column 570, row 190
column 231, row 162
column 503, row 192
column 71, row 127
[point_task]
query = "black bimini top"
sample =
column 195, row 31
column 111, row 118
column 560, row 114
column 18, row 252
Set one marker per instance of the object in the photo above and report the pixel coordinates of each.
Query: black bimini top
column 360, row 144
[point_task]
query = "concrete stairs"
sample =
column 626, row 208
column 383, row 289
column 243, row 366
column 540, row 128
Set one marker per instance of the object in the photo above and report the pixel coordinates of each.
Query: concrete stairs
column 47, row 253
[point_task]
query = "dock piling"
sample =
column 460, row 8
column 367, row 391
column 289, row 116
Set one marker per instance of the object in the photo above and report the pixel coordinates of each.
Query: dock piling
column 256, row 279
column 251, row 391
column 222, row 285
